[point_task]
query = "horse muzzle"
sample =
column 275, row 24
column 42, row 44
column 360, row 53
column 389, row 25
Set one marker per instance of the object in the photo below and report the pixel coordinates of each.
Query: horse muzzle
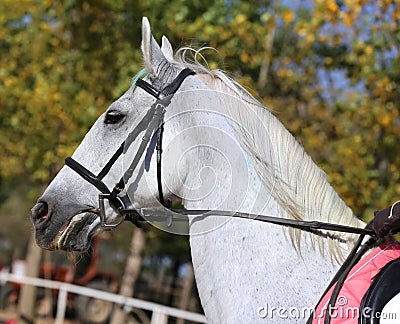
column 54, row 231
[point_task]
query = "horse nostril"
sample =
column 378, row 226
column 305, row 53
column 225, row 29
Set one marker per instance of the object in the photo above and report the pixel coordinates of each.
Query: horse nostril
column 39, row 212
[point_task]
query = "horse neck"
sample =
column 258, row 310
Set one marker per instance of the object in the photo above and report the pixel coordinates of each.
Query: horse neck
column 286, row 171
column 243, row 264
column 240, row 265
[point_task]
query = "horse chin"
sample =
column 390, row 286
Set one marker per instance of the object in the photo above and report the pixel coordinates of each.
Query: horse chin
column 77, row 235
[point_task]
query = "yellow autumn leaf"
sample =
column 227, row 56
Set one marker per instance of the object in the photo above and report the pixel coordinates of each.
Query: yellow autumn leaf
column 288, row 16
column 332, row 6
column 240, row 19
column 369, row 50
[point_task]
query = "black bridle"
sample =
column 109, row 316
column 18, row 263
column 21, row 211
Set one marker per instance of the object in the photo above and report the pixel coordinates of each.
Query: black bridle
column 153, row 124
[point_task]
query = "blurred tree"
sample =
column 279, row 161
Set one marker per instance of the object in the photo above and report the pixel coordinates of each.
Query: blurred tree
column 331, row 68
column 351, row 120
column 61, row 64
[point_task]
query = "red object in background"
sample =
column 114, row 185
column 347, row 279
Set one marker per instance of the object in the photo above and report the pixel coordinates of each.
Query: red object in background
column 88, row 274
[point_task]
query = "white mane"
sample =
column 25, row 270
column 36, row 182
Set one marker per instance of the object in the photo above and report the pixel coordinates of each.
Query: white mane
column 298, row 185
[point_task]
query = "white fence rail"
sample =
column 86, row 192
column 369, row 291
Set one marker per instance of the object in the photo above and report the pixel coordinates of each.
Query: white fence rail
column 160, row 313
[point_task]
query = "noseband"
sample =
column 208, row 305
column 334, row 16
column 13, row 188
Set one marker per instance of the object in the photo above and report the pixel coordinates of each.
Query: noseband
column 150, row 124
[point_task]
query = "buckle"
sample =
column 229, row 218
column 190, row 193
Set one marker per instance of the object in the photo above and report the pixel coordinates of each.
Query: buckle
column 103, row 219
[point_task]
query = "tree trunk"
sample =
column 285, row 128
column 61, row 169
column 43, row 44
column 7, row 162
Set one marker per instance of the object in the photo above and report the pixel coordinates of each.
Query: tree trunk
column 269, row 41
column 27, row 299
column 132, row 269
column 174, row 284
column 186, row 290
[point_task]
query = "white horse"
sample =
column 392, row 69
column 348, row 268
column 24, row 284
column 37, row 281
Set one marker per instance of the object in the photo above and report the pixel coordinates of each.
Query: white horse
column 222, row 150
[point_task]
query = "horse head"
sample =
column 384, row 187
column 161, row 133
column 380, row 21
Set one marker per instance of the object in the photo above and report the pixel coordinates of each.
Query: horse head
column 66, row 216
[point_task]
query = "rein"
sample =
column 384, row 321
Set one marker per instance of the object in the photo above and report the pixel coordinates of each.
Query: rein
column 153, row 124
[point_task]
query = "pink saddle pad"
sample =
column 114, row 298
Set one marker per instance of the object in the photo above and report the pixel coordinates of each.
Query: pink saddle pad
column 347, row 307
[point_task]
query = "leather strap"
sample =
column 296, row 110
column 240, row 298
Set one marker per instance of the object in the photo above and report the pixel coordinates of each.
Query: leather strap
column 315, row 227
column 173, row 87
column 87, row 175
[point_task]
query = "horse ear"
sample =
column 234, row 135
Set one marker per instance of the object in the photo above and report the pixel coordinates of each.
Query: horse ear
column 166, row 48
column 152, row 55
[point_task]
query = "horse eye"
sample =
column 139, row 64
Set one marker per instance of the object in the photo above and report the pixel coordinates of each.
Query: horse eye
column 113, row 117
